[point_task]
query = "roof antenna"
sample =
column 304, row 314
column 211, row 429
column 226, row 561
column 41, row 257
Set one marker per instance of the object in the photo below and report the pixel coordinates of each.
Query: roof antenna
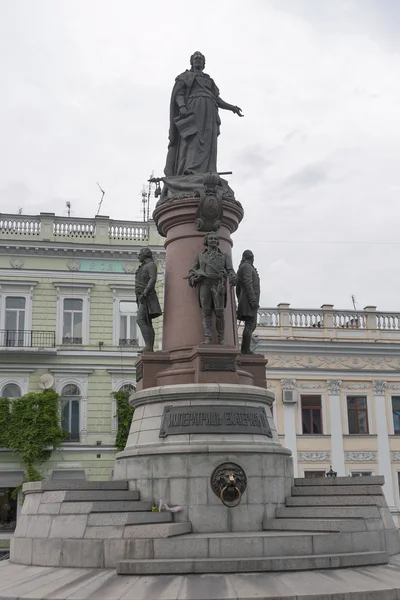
column 101, row 201
column 353, row 299
column 68, row 205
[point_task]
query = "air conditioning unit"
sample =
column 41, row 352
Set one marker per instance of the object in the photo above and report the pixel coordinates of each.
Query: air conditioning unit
column 289, row 397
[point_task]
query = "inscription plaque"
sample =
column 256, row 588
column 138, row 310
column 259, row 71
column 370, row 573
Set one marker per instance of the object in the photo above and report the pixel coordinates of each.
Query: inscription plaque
column 178, row 420
column 217, row 363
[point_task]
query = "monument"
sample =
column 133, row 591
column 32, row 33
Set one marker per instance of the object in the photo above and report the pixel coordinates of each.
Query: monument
column 203, row 438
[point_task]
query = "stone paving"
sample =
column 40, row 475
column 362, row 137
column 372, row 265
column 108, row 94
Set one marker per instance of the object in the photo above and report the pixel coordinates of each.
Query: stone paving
column 44, row 583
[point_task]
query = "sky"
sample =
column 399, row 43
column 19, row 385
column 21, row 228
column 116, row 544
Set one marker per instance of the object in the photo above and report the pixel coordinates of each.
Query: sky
column 85, row 97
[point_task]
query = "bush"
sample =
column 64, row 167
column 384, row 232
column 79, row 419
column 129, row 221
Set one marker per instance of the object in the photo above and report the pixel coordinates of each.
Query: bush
column 124, row 416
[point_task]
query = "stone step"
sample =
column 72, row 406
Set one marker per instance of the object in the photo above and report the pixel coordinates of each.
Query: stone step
column 143, row 518
column 120, row 506
column 328, row 512
column 336, row 501
column 314, row 525
column 73, row 484
column 100, row 495
column 157, row 530
column 318, row 481
column 249, row 565
column 103, row 519
column 340, row 490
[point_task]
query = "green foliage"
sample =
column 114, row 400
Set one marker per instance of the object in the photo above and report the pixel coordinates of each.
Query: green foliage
column 30, row 427
column 124, row 416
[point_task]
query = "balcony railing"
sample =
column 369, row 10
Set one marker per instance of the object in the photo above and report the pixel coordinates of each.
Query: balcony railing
column 328, row 322
column 27, row 338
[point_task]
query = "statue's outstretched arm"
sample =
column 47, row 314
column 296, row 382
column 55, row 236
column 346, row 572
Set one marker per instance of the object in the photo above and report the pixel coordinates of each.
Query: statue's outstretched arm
column 226, row 106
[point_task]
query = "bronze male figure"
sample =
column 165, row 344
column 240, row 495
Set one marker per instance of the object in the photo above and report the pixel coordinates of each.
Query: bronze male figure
column 248, row 295
column 146, row 297
column 210, row 271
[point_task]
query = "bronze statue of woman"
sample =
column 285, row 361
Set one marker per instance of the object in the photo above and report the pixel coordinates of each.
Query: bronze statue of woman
column 194, row 121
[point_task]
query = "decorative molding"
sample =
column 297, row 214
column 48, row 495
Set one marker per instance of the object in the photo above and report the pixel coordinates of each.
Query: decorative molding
column 74, row 265
column 393, row 386
column 129, row 267
column 334, row 386
column 314, row 457
column 271, row 386
column 310, row 386
column 17, row 262
column 288, row 384
column 360, row 457
column 395, row 456
column 355, row 386
column 336, row 362
column 379, row 387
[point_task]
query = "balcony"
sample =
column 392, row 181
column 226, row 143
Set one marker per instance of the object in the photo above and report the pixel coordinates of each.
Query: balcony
column 327, row 323
column 27, row 339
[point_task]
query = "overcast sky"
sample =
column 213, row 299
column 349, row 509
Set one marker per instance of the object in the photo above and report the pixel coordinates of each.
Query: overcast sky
column 85, row 98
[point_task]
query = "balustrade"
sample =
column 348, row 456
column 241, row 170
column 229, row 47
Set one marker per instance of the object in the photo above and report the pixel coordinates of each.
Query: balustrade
column 133, row 232
column 10, row 224
column 74, row 228
column 388, row 321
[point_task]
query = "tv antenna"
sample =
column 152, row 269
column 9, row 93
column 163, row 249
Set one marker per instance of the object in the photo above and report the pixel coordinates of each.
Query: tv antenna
column 101, row 201
column 68, row 205
column 353, row 299
column 146, row 196
column 20, row 211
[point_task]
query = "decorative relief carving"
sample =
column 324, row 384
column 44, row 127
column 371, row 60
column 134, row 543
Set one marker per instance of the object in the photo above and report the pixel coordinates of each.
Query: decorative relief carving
column 334, row 386
column 17, row 263
column 353, row 363
column 310, row 386
column 394, row 386
column 379, row 387
column 129, row 267
column 74, row 265
column 314, row 456
column 271, row 386
column 288, row 384
column 360, row 457
column 355, row 386
column 395, row 456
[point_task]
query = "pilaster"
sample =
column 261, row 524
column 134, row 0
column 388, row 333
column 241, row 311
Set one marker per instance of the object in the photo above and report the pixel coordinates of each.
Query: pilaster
column 335, row 414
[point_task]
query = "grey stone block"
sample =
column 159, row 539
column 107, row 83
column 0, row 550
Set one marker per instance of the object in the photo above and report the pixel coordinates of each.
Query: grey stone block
column 387, row 518
column 114, row 551
column 104, row 532
column 364, row 541
column 100, row 495
column 99, row 519
column 235, row 547
column 83, row 553
column 329, row 512
column 151, row 423
column 314, row 525
column 39, row 526
column 340, row 481
column 288, row 545
column 68, row 526
column 31, row 504
column 144, row 518
column 145, row 489
column 392, row 541
column 76, row 508
column 153, row 410
column 120, row 506
column 208, row 518
column 157, row 530
column 120, row 469
column 171, row 465
column 344, row 490
column 21, row 551
column 197, row 490
column 247, row 517
column 161, row 489
column 140, row 467
column 336, row 501
column 140, row 549
column 178, row 491
column 50, row 508
column 22, row 525
column 374, row 524
column 150, row 436
column 183, row 547
column 255, row 490
column 46, row 553
column 53, row 497
column 274, row 490
column 78, row 484
column 332, row 543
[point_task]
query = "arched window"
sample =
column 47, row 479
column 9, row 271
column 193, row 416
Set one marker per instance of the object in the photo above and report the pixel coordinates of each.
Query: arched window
column 127, row 387
column 70, row 401
column 11, row 390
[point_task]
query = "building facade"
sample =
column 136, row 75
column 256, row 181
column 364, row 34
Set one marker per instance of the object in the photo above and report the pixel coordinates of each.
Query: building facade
column 68, row 320
column 336, row 379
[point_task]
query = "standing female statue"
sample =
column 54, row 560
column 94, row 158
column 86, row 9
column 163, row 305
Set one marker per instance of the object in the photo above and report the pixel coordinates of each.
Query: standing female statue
column 194, row 121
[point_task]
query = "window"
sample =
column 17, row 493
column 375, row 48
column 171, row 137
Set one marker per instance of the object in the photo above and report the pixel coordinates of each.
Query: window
column 8, row 510
column 128, row 387
column 357, row 412
column 70, row 405
column 311, row 414
column 11, row 390
column 396, row 414
column 314, row 474
column 72, row 321
column 15, row 320
column 361, row 473
column 127, row 323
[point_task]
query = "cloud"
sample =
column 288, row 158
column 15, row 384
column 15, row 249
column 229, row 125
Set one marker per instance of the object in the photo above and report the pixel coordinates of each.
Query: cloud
column 307, row 177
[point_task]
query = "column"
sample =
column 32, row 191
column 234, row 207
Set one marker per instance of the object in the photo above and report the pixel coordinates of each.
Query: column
column 289, row 418
column 384, row 464
column 336, row 427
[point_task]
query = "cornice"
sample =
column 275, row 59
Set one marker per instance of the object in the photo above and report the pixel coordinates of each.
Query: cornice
column 57, row 250
column 312, row 347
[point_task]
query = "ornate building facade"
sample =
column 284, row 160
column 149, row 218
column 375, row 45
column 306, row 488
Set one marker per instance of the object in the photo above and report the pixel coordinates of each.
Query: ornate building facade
column 336, row 379
column 67, row 320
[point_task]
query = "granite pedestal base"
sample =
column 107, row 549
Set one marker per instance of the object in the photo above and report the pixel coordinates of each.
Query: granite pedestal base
column 177, row 468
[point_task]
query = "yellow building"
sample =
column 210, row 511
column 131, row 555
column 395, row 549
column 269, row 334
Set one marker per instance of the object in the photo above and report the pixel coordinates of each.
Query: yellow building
column 336, row 379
